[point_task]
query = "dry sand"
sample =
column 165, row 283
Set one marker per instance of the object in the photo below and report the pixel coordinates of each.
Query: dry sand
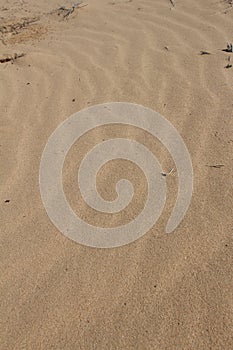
column 163, row 291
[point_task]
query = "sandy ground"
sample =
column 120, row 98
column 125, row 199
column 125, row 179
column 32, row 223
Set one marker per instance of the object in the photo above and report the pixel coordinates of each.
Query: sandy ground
column 163, row 291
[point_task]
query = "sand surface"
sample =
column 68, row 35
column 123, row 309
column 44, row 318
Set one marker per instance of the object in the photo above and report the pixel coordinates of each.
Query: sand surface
column 163, row 291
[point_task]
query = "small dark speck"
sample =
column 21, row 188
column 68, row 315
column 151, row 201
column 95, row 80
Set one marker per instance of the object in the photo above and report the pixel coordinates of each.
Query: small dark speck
column 226, row 245
column 66, row 269
column 28, row 83
column 88, row 321
column 7, row 201
column 73, row 100
column 124, row 303
column 178, row 323
column 139, row 8
column 155, row 286
column 29, row 65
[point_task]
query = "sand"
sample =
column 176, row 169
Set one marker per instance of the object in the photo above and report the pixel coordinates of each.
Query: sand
column 163, row 291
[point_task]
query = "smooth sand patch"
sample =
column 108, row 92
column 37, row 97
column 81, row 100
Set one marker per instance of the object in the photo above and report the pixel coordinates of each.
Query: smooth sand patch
column 162, row 291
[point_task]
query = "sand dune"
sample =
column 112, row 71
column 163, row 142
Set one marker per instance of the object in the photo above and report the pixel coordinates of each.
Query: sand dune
column 162, row 291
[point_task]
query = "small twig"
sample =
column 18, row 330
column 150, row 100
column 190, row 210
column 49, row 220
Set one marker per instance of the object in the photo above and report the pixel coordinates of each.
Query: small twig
column 75, row 6
column 229, row 65
column 229, row 48
column 62, row 8
column 216, row 166
column 172, row 2
column 205, row 53
column 68, row 11
column 11, row 28
column 166, row 174
column 11, row 58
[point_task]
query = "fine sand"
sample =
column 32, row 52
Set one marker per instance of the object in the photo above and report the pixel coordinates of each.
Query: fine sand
column 163, row 291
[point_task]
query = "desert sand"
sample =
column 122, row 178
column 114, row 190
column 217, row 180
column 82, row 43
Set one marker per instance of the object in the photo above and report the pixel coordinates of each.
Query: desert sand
column 163, row 291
